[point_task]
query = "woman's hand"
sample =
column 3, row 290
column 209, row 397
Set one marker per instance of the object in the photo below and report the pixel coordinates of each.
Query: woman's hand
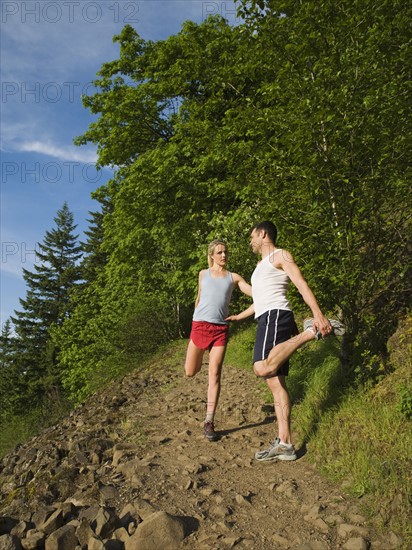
column 242, row 315
column 232, row 318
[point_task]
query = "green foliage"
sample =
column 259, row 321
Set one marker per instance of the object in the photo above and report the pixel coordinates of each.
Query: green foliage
column 18, row 428
column 317, row 382
column 240, row 349
column 29, row 369
column 300, row 119
column 367, row 444
column 404, row 405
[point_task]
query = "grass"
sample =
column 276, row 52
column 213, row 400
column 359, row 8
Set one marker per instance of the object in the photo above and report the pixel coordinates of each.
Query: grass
column 20, row 428
column 366, row 445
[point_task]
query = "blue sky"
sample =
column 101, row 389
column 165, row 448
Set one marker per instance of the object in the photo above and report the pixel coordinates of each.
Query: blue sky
column 50, row 53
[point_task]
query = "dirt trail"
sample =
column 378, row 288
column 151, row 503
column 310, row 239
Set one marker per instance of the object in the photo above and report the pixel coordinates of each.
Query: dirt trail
column 232, row 499
column 140, row 442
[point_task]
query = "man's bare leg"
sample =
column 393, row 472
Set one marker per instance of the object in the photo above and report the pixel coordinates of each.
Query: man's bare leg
column 277, row 386
column 281, row 353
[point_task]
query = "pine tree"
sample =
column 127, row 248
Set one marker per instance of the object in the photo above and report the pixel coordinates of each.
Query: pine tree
column 7, row 347
column 95, row 257
column 47, row 304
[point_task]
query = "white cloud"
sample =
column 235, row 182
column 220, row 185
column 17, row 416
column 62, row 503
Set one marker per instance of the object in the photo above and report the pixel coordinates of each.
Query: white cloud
column 68, row 153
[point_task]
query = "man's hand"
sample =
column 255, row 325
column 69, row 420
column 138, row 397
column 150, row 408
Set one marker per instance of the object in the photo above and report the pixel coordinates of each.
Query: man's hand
column 322, row 324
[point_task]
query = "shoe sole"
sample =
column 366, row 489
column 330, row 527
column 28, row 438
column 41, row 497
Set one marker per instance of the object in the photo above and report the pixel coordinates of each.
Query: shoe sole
column 277, row 457
column 337, row 328
column 287, row 457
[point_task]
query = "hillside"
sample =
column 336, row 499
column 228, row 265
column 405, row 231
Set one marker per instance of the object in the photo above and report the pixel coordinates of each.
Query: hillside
column 131, row 469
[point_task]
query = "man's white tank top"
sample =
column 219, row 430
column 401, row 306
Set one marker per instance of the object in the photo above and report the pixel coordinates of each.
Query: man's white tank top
column 269, row 286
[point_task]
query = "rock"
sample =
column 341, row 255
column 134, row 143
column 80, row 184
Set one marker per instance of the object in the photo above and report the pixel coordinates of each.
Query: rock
column 220, row 511
column 313, row 512
column 345, row 529
column 84, row 532
column 40, row 516
column 240, row 499
column 108, row 492
column 7, row 524
column 159, row 530
column 95, row 544
column 105, row 523
column 321, row 525
column 62, row 539
column 334, row 519
column 89, row 513
column 288, row 488
column 21, row 529
column 230, row 542
column 52, row 523
column 121, row 534
column 129, row 516
column 356, row 543
column 9, row 542
column 34, row 540
column 280, row 541
column 144, row 508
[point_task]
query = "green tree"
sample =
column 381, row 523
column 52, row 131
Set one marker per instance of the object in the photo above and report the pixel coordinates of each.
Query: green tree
column 7, row 375
column 336, row 122
column 299, row 115
column 94, row 255
column 47, row 304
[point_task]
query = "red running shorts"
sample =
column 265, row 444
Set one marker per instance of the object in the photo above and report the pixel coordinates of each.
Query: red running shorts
column 206, row 335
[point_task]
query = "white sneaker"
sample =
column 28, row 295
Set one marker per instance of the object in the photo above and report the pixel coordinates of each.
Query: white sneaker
column 338, row 328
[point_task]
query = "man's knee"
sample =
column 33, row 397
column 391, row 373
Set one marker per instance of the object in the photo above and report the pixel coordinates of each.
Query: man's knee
column 259, row 368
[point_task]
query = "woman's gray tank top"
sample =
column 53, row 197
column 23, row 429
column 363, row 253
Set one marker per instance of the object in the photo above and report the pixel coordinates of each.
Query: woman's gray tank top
column 215, row 295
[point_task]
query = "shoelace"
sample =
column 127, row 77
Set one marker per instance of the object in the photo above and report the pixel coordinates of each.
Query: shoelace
column 274, row 443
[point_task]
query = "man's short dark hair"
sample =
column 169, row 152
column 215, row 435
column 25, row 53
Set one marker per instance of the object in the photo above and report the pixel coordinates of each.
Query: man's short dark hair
column 270, row 229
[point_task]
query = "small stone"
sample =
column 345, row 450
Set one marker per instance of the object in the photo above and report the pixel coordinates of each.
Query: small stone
column 356, row 543
column 345, row 529
column 278, row 539
column 240, row 499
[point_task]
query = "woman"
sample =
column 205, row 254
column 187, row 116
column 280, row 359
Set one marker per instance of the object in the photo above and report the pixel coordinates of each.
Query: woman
column 210, row 329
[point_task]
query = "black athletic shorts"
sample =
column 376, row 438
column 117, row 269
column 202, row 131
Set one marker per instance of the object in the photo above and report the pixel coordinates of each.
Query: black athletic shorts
column 274, row 326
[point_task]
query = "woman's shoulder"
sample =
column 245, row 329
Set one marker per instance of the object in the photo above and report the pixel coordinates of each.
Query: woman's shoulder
column 236, row 277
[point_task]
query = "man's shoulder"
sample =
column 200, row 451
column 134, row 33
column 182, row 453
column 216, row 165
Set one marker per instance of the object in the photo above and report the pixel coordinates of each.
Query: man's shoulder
column 281, row 257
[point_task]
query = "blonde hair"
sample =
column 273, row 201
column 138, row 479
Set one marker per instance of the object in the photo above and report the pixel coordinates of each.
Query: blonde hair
column 211, row 250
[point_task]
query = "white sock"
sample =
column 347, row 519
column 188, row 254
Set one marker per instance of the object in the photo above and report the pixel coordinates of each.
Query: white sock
column 209, row 417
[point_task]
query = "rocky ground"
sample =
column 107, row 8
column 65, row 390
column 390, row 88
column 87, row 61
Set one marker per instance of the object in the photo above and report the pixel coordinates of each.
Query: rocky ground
column 131, row 469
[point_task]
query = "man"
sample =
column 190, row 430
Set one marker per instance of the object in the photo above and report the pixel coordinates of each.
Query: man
column 276, row 336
